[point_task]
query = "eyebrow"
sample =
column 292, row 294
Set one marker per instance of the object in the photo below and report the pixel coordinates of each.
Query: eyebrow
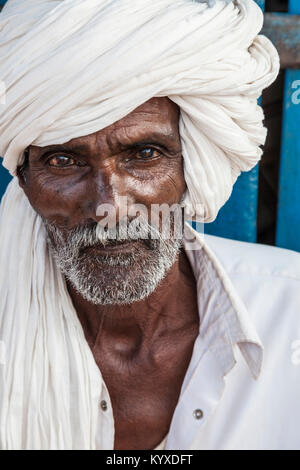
column 63, row 148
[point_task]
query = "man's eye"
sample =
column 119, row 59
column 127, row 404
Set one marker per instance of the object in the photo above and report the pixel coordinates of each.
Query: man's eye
column 147, row 153
column 61, row 161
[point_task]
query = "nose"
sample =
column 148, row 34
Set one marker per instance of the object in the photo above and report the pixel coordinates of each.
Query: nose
column 105, row 198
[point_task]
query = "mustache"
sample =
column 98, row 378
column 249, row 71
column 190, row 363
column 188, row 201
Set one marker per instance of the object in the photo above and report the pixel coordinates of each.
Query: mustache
column 94, row 234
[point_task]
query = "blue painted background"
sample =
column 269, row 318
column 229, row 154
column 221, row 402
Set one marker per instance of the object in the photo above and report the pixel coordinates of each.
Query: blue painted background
column 237, row 218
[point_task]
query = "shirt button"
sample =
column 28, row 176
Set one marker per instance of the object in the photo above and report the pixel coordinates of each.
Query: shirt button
column 198, row 414
column 103, row 405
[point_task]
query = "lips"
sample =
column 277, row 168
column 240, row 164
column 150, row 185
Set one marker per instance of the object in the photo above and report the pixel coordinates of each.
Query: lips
column 114, row 246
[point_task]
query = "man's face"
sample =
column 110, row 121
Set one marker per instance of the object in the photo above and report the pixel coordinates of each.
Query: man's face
column 138, row 158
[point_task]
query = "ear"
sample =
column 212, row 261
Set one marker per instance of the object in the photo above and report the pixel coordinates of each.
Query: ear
column 21, row 170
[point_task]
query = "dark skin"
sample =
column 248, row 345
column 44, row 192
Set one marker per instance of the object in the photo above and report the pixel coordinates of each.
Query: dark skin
column 143, row 349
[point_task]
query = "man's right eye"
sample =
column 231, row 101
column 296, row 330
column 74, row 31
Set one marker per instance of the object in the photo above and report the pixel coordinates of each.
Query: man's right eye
column 61, row 161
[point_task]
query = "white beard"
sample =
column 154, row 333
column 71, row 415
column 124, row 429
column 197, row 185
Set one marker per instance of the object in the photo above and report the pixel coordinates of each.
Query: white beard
column 120, row 278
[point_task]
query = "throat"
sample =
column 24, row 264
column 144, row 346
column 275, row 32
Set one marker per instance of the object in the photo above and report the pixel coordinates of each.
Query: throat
column 128, row 330
column 123, row 342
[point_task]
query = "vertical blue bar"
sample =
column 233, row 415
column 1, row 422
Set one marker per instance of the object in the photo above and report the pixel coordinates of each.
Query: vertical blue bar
column 237, row 219
column 288, row 215
column 4, row 179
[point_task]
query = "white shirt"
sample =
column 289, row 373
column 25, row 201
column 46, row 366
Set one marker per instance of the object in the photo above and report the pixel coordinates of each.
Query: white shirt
column 249, row 300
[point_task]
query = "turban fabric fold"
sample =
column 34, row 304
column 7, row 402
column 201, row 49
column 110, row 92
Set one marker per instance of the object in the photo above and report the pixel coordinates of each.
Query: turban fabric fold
column 74, row 67
column 71, row 68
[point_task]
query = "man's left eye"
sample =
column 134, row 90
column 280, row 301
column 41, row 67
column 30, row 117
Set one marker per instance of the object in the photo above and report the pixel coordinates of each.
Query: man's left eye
column 147, row 153
column 61, row 161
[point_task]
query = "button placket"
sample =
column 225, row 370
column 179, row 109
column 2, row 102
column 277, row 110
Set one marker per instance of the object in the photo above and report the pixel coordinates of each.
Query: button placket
column 200, row 397
column 106, row 426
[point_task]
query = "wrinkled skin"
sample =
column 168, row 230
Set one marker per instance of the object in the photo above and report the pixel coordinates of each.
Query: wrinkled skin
column 142, row 349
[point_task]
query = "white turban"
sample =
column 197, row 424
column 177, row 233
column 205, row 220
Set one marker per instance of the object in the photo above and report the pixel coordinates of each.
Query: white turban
column 74, row 67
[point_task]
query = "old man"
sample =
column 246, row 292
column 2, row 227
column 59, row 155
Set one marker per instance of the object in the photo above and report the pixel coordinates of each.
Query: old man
column 113, row 335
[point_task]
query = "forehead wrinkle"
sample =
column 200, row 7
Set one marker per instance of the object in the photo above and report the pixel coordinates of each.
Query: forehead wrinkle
column 130, row 134
column 127, row 132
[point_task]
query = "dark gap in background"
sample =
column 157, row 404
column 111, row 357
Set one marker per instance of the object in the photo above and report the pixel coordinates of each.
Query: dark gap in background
column 276, row 5
column 272, row 102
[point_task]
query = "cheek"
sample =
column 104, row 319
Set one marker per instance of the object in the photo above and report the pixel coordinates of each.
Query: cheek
column 164, row 186
column 56, row 199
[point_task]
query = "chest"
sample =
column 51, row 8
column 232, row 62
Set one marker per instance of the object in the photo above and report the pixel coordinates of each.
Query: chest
column 144, row 394
column 142, row 412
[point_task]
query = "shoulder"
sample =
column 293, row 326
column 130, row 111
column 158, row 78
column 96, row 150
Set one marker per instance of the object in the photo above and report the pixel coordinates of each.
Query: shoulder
column 251, row 258
column 267, row 280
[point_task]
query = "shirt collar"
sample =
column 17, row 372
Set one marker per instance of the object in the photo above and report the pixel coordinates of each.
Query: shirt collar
column 224, row 320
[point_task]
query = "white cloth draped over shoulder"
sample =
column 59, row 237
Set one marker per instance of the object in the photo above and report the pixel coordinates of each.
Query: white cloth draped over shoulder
column 71, row 68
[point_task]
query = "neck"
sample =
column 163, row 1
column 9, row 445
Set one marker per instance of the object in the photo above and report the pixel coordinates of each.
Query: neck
column 130, row 328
